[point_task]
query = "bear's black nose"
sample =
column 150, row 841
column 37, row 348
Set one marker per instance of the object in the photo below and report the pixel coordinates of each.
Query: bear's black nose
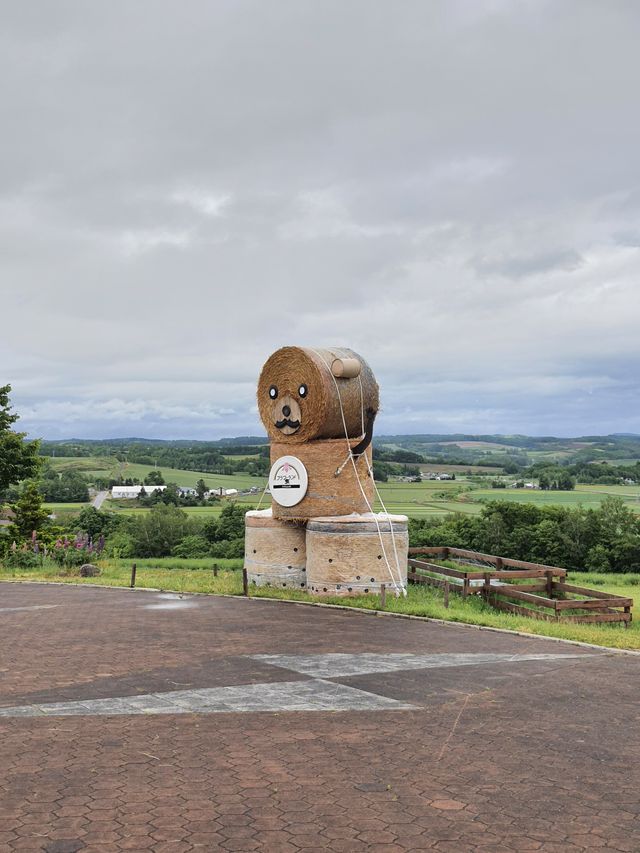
column 286, row 411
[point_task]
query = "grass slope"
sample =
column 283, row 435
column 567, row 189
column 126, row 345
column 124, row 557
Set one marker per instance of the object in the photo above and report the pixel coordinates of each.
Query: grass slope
column 186, row 576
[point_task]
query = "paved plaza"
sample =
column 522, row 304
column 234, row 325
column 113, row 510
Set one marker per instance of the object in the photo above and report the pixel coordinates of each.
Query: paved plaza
column 135, row 720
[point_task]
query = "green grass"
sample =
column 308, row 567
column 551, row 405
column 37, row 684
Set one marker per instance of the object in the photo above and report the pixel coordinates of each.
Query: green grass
column 184, row 576
column 172, row 573
column 65, row 507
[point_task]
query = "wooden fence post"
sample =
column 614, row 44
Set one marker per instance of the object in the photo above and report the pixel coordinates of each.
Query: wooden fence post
column 549, row 576
column 446, row 593
column 383, row 596
column 215, row 570
column 133, row 575
column 245, row 582
column 487, row 585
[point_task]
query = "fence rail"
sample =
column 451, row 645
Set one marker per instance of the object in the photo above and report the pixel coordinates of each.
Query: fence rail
column 552, row 599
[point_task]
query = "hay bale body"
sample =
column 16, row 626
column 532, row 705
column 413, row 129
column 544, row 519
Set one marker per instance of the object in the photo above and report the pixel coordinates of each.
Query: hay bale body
column 345, row 556
column 315, row 413
column 275, row 552
column 326, row 493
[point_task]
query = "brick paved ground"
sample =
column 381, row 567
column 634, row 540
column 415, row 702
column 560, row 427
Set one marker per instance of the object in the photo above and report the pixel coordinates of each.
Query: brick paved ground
column 494, row 756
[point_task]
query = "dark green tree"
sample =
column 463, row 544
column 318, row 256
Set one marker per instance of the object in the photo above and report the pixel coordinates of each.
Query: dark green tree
column 95, row 523
column 66, row 487
column 171, row 495
column 231, row 522
column 18, row 458
column 156, row 533
column 30, row 514
column 565, row 481
column 201, row 489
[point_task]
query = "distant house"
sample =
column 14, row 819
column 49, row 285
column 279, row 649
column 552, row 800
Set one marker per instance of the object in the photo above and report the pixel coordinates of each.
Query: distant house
column 133, row 492
column 187, row 492
column 230, row 492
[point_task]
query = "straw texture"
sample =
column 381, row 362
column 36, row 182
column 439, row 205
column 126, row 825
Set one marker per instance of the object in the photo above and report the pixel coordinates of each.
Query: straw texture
column 326, row 493
column 345, row 557
column 316, row 412
column 275, row 551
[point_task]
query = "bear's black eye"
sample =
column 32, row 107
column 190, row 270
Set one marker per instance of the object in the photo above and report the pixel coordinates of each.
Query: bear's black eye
column 273, row 392
column 302, row 390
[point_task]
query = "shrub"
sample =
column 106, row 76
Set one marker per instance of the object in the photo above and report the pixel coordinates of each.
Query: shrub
column 21, row 559
column 231, row 548
column 69, row 557
column 598, row 559
column 120, row 544
column 192, row 546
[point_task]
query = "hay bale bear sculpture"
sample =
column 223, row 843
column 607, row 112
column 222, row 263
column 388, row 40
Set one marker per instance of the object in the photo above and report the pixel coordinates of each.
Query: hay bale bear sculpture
column 318, row 407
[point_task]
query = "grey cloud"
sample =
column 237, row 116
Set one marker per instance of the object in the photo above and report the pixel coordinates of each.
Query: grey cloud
column 450, row 188
column 516, row 267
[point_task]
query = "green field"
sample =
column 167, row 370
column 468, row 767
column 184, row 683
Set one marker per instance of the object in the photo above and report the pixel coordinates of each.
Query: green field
column 429, row 498
column 586, row 496
column 212, row 510
column 438, row 468
column 109, row 467
column 60, row 511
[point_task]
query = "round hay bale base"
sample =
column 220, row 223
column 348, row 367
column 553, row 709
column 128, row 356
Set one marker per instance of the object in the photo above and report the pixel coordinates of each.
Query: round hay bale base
column 346, row 557
column 326, row 493
column 275, row 552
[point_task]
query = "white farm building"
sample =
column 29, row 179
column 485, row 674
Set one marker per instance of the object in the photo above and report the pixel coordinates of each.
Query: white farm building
column 133, row 492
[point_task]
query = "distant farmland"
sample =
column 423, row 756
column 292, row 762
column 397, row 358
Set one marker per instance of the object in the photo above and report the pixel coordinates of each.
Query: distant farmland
column 418, row 500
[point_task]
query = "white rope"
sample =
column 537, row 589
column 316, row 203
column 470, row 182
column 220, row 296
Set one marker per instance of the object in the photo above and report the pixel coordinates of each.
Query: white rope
column 379, row 496
column 341, row 468
column 399, row 588
column 262, row 495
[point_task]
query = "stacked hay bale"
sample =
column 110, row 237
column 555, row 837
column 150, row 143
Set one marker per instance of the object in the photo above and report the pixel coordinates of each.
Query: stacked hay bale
column 346, row 554
column 318, row 407
column 274, row 551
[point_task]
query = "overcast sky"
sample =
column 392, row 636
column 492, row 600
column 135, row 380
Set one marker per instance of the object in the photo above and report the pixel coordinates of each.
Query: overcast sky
column 450, row 188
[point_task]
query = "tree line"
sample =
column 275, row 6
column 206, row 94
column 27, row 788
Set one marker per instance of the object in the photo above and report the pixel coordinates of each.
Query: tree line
column 606, row 539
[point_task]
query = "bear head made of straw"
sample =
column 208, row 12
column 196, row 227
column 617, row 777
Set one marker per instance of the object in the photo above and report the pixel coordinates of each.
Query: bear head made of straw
column 305, row 394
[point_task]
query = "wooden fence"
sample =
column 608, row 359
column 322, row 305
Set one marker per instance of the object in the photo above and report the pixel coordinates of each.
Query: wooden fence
column 547, row 596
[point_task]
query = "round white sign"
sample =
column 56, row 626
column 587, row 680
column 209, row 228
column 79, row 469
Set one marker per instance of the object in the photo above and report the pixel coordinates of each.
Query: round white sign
column 288, row 481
